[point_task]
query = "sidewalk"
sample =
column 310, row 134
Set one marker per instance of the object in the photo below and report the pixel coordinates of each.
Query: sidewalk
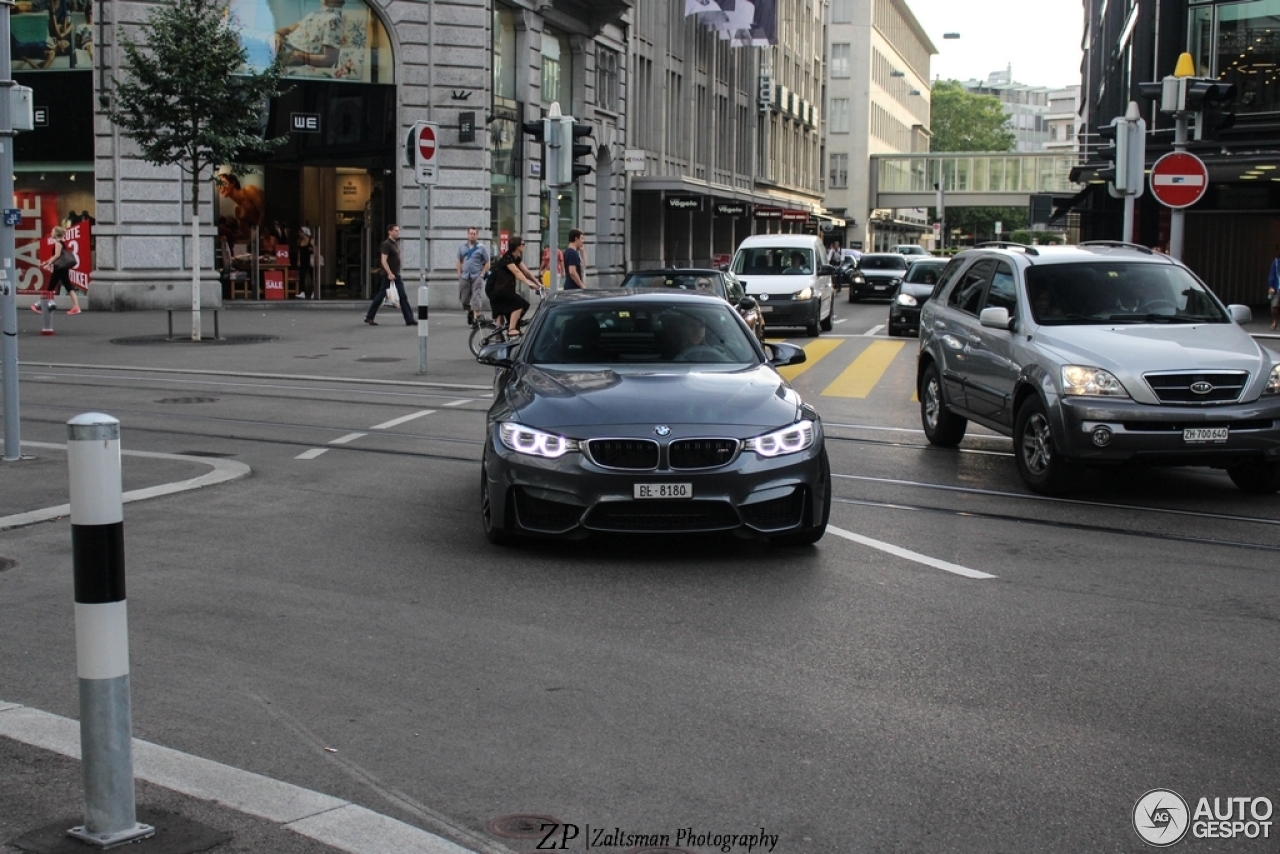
column 195, row 804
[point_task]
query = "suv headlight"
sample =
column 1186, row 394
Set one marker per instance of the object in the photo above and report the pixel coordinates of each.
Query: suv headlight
column 807, row 293
column 788, row 440
column 1273, row 382
column 906, row 299
column 535, row 443
column 895, row 282
column 1077, row 379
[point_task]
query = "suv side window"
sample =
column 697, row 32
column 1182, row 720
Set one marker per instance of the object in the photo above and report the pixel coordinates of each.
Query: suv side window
column 967, row 294
column 1003, row 292
column 945, row 277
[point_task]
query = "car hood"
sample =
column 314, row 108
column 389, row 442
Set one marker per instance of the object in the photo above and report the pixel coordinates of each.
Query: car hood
column 580, row 400
column 919, row 291
column 1138, row 349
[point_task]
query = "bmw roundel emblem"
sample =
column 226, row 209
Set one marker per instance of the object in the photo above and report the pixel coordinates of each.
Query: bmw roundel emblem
column 1202, row 387
column 662, row 430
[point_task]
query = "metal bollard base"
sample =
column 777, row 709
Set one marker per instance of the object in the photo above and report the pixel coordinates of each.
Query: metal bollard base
column 110, row 840
column 46, row 313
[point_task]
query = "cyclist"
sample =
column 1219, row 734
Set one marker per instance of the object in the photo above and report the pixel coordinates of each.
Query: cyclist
column 504, row 298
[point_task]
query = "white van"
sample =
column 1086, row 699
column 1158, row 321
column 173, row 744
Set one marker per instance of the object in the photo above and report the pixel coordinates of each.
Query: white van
column 788, row 275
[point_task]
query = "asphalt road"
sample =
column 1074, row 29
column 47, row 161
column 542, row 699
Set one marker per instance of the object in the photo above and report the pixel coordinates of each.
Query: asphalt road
column 957, row 666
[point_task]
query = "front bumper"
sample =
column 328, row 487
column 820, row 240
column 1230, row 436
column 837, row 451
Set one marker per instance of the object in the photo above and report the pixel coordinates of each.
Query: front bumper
column 873, row 288
column 572, row 496
column 789, row 312
column 1096, row 431
column 904, row 318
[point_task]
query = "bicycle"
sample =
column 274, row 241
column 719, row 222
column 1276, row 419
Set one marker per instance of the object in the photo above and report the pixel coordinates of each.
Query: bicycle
column 485, row 331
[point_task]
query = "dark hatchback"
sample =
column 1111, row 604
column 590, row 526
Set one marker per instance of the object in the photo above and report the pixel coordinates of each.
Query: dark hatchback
column 914, row 291
column 718, row 282
column 647, row 412
column 879, row 274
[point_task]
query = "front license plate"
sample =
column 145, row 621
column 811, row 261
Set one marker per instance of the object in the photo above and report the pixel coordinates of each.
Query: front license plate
column 1204, row 434
column 878, row 287
column 764, row 308
column 663, row 490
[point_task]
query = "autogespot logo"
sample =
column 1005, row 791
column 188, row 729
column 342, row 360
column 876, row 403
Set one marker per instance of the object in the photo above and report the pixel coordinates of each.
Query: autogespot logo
column 1161, row 818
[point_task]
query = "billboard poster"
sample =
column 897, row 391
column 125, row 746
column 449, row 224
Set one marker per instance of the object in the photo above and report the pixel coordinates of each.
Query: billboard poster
column 743, row 23
column 51, row 35
column 318, row 39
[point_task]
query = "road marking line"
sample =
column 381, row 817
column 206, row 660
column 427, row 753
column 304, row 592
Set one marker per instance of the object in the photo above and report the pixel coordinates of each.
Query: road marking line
column 394, row 422
column 465, row 400
column 875, row 330
column 859, row 378
column 350, row 437
column 311, row 454
column 907, row 554
column 814, row 353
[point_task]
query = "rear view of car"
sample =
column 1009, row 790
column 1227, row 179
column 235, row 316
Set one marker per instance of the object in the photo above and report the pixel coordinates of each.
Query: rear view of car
column 914, row 291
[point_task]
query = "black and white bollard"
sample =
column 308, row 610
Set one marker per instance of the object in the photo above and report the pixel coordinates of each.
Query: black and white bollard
column 102, row 633
column 47, row 304
column 423, row 310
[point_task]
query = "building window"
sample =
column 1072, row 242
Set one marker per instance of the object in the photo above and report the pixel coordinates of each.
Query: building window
column 1246, row 53
column 504, row 54
column 607, row 80
column 841, row 11
column 840, row 60
column 557, row 70
column 839, row 122
column 839, row 171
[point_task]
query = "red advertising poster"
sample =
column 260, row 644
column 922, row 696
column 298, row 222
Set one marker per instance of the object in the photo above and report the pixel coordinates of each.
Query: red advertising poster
column 77, row 240
column 273, row 284
column 39, row 216
column 282, row 256
column 503, row 237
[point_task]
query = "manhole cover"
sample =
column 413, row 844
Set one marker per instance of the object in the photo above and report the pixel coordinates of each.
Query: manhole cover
column 165, row 339
column 379, row 359
column 521, row 826
column 188, row 400
column 7, row 563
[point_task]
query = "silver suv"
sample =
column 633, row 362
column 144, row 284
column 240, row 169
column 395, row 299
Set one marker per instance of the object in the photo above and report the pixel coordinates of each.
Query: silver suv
column 1094, row 354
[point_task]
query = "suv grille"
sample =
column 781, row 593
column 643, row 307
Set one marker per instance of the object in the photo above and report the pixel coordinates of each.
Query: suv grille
column 1219, row 386
column 633, row 454
column 702, row 453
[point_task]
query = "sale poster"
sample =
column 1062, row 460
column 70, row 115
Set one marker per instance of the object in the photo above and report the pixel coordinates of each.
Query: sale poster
column 33, row 243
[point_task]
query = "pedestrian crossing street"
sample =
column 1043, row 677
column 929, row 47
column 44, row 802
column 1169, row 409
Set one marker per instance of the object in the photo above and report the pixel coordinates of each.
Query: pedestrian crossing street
column 855, row 367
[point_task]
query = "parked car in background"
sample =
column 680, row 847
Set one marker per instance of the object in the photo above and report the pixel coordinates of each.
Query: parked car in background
column 1101, row 353
column 790, row 277
column 879, row 274
column 645, row 412
column 910, row 249
column 913, row 292
column 718, row 282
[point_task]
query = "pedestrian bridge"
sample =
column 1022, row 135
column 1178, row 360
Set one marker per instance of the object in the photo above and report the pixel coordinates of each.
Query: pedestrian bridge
column 978, row 179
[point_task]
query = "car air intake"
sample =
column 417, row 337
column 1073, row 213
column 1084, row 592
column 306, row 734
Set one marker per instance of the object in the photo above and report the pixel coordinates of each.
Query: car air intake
column 702, row 453
column 631, row 454
column 1200, row 387
column 662, row 516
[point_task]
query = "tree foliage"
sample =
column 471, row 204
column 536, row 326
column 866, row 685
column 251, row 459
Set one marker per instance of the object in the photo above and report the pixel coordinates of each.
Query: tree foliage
column 187, row 99
column 962, row 121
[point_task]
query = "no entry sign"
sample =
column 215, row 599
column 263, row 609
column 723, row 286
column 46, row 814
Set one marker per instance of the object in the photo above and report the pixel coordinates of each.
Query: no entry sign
column 424, row 147
column 1179, row 179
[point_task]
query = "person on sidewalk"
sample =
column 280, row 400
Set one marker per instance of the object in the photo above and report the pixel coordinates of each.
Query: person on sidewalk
column 1273, row 290
column 390, row 254
column 574, row 276
column 473, row 263
column 60, row 276
column 306, row 257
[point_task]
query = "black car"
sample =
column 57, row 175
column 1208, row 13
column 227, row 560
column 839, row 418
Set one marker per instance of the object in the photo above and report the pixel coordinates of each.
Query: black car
column 879, row 274
column 916, row 287
column 648, row 412
column 718, row 282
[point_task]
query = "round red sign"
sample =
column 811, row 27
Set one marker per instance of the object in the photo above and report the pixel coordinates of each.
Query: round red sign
column 1179, row 179
column 427, row 144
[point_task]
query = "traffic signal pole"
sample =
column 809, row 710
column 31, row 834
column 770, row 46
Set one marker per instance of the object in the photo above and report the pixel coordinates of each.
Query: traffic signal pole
column 1177, row 216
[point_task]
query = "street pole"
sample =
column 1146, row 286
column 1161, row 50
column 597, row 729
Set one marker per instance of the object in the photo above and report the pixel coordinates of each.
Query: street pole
column 8, row 271
column 942, row 212
column 1177, row 223
column 423, row 291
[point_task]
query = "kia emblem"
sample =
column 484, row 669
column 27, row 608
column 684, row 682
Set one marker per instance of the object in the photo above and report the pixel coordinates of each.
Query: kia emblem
column 1201, row 387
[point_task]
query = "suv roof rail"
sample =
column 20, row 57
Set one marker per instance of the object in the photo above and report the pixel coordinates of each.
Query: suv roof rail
column 1117, row 244
column 1007, row 244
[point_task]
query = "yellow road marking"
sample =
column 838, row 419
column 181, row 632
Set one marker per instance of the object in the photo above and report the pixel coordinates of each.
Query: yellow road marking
column 860, row 377
column 814, row 352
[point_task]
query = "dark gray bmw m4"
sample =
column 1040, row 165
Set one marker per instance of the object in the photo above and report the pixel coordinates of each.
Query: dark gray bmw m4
column 649, row 412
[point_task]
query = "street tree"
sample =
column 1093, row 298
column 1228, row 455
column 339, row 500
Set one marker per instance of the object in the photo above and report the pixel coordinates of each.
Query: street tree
column 188, row 99
column 963, row 121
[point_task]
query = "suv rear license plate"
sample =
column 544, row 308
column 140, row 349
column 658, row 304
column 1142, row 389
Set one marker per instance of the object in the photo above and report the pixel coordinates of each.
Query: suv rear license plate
column 663, row 490
column 1204, row 434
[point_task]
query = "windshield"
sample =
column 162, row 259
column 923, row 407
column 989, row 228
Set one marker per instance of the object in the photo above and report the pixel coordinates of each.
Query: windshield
column 619, row 332
column 774, row 261
column 702, row 282
column 883, row 262
column 1119, row 292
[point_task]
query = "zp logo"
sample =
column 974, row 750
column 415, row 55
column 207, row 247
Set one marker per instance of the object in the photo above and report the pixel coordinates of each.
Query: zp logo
column 1161, row 817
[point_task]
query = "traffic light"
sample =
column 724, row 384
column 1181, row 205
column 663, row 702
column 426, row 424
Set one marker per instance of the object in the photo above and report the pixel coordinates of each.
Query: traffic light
column 1115, row 154
column 1208, row 98
column 538, row 129
column 579, row 149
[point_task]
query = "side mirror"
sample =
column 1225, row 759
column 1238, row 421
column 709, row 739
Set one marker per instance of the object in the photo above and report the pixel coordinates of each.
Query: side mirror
column 995, row 318
column 826, row 270
column 781, row 355
column 1241, row 314
column 497, row 355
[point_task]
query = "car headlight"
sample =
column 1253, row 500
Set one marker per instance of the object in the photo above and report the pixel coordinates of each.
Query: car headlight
column 535, row 443
column 788, row 440
column 859, row 278
column 896, row 282
column 807, row 293
column 1273, row 382
column 906, row 299
column 1077, row 379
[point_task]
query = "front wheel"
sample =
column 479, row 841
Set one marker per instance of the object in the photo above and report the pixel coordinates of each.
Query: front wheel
column 853, row 297
column 830, row 320
column 1041, row 465
column 941, row 426
column 1256, row 478
column 482, row 335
